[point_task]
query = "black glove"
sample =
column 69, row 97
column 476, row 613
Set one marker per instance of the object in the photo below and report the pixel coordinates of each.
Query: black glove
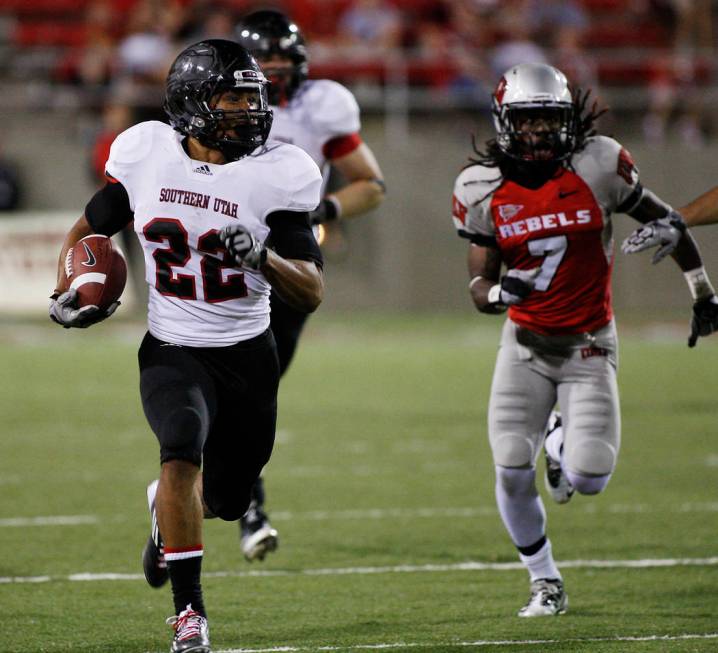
column 243, row 246
column 514, row 287
column 63, row 310
column 704, row 320
column 663, row 233
column 325, row 212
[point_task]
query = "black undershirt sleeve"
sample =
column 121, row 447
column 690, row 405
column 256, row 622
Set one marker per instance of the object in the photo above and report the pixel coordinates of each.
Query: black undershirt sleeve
column 108, row 212
column 291, row 236
column 479, row 239
column 632, row 200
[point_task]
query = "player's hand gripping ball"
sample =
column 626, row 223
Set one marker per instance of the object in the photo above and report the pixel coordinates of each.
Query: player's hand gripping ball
column 97, row 274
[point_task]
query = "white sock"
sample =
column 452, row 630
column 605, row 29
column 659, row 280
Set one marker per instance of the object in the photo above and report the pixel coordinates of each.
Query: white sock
column 541, row 563
column 520, row 505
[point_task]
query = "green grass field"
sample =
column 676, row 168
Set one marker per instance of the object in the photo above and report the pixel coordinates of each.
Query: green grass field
column 381, row 487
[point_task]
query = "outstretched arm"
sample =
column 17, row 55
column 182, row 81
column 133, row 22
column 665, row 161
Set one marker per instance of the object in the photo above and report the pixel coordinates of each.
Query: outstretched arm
column 669, row 231
column 702, row 210
column 363, row 192
column 665, row 231
column 680, row 245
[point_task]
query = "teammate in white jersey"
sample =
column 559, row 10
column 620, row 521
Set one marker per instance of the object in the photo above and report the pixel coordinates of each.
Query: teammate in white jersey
column 321, row 117
column 222, row 216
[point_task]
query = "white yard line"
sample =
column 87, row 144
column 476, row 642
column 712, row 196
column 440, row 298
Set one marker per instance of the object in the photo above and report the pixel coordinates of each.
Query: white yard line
column 58, row 520
column 481, row 643
column 387, row 513
column 395, row 569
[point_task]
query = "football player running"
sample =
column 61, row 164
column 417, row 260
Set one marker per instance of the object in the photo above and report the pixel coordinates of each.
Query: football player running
column 539, row 201
column 321, row 117
column 665, row 234
column 222, row 215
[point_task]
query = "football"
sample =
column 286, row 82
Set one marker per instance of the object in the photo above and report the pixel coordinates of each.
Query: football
column 96, row 268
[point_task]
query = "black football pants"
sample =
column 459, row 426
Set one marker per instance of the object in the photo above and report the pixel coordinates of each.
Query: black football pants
column 215, row 407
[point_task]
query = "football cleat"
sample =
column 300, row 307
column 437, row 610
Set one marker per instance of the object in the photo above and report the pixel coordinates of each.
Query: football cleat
column 153, row 555
column 256, row 535
column 555, row 480
column 191, row 632
column 547, row 599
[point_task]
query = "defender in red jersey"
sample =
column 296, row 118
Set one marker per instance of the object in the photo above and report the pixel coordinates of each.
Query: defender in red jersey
column 539, row 201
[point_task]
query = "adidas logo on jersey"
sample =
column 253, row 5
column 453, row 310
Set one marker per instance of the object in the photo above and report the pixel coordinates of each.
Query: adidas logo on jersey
column 203, row 170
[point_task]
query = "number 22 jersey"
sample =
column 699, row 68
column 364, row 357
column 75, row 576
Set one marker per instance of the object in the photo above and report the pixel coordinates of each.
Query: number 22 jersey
column 198, row 295
column 563, row 227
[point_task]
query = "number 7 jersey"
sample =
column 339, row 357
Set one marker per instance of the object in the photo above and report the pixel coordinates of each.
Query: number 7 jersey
column 563, row 227
column 198, row 295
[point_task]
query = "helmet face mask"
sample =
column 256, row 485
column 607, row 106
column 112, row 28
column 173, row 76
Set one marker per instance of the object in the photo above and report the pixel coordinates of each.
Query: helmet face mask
column 217, row 94
column 534, row 114
column 539, row 134
column 273, row 38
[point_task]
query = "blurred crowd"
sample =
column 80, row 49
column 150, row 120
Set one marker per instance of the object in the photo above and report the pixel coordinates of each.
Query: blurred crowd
column 459, row 47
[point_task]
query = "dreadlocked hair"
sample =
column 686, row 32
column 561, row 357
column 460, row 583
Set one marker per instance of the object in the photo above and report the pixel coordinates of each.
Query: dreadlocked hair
column 491, row 157
column 585, row 118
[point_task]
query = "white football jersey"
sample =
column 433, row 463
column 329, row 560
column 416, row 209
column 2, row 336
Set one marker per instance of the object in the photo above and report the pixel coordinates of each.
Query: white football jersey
column 319, row 111
column 199, row 296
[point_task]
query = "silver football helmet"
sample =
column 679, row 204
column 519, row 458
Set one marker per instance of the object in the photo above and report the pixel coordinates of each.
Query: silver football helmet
column 534, row 113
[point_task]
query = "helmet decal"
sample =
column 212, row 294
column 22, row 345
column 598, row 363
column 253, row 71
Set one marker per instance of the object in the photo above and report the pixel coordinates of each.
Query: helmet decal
column 500, row 90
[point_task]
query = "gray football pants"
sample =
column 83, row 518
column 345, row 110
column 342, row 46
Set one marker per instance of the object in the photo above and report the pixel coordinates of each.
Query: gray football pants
column 532, row 373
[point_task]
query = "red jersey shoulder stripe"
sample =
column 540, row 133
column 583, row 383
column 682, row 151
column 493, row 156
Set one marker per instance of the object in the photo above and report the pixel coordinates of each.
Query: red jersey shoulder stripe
column 341, row 145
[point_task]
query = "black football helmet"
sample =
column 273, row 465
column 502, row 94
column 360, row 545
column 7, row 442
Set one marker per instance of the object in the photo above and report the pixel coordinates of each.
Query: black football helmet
column 199, row 74
column 266, row 33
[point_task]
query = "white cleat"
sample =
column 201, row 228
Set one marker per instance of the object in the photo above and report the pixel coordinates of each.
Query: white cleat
column 256, row 535
column 255, row 545
column 555, row 480
column 191, row 632
column 547, row 599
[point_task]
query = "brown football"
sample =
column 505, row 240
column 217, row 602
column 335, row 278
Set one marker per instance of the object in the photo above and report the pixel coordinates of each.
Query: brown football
column 97, row 269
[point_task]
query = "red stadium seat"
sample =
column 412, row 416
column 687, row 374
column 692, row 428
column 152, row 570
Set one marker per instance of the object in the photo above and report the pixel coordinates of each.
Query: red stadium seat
column 28, row 34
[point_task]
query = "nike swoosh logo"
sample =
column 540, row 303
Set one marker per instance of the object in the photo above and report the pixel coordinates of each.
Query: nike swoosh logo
column 562, row 194
column 90, row 257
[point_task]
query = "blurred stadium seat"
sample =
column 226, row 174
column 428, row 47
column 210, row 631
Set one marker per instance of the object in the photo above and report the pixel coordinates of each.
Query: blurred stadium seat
column 621, row 42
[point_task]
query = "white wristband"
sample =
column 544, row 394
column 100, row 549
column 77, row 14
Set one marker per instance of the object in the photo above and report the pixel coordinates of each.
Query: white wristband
column 478, row 277
column 337, row 205
column 699, row 284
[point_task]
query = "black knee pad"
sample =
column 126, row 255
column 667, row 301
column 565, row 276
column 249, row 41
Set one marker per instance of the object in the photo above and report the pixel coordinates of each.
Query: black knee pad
column 182, row 435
